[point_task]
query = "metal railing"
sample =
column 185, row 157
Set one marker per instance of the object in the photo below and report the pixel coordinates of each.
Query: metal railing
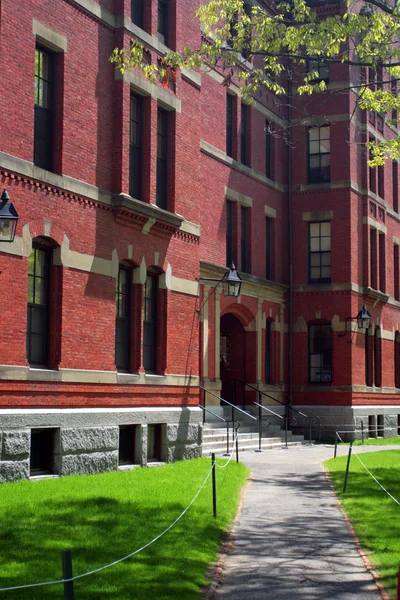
column 233, row 421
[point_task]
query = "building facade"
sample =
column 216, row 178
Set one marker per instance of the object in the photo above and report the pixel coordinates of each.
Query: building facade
column 128, row 192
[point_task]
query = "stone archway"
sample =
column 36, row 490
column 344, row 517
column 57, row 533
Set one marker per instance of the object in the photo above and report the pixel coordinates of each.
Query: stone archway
column 232, row 359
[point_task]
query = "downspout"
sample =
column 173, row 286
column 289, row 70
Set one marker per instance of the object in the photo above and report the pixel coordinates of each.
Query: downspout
column 290, row 233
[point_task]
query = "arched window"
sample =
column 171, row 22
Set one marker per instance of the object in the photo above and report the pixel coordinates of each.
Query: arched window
column 377, row 358
column 397, row 359
column 43, row 332
column 320, row 352
column 123, row 319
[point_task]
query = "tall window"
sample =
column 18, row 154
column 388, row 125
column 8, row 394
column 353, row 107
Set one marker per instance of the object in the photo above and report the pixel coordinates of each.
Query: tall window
column 397, row 359
column 162, row 145
column 150, row 324
column 319, row 267
column 230, row 255
column 268, row 247
column 229, row 124
column 320, row 353
column 372, row 170
column 268, row 149
column 368, row 359
column 135, row 147
column 44, row 110
column 122, row 324
column 162, row 25
column 244, row 239
column 382, row 262
column 37, row 333
column 244, row 151
column 373, row 258
column 396, row 272
column 320, row 68
column 319, row 154
column 137, row 12
column 246, row 48
column 268, row 355
column 395, row 185
column 381, row 181
column 377, row 358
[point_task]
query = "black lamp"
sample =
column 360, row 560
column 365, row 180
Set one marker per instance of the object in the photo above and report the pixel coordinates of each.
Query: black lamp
column 8, row 218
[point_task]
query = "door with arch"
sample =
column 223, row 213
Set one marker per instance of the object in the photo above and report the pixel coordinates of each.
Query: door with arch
column 232, row 359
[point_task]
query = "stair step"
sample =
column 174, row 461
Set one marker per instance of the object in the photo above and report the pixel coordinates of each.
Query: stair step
column 264, row 446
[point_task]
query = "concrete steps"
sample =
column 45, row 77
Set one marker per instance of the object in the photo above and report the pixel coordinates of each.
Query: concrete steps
column 214, row 439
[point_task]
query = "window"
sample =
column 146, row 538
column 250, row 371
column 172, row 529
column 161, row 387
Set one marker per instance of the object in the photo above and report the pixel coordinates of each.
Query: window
column 137, row 12
column 395, row 185
column 126, row 448
column 150, row 324
column 393, row 87
column 230, row 244
column 154, row 433
column 229, row 125
column 244, row 151
column 44, row 118
column 246, row 48
column 162, row 146
column 268, row 149
column 368, row 359
column 320, row 68
column 268, row 354
column 377, row 358
column 319, row 154
column 135, row 147
column 37, row 333
column 382, row 262
column 244, row 239
column 380, row 427
column 381, row 181
column 380, row 121
column 320, row 353
column 319, row 267
column 372, row 170
column 162, row 27
column 373, row 258
column 372, row 426
column 268, row 247
column 123, row 325
column 396, row 272
column 41, row 460
column 397, row 359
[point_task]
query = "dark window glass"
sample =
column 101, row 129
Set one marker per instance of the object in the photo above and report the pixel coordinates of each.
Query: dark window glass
column 320, row 251
column 268, row 248
column 162, row 27
column 122, row 324
column 319, row 154
column 268, row 346
column 368, row 359
column 377, row 358
column 381, row 181
column 154, row 442
column 380, row 121
column 244, row 239
column 150, row 324
column 382, row 262
column 393, row 87
column 135, row 147
column 396, row 272
column 161, row 191
column 38, row 307
column 243, row 134
column 126, row 449
column 41, row 460
column 43, row 126
column 268, row 148
column 395, row 185
column 373, row 258
column 229, row 125
column 229, row 233
column 320, row 353
column 137, row 12
column 372, row 171
column 320, row 68
column 246, row 48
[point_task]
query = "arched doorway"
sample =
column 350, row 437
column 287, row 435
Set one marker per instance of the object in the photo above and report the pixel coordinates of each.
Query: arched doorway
column 232, row 359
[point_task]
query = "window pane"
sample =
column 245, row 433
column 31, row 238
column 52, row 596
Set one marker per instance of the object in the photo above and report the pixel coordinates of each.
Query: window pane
column 314, row 244
column 325, row 228
column 325, row 146
column 325, row 273
column 314, row 134
column 325, row 160
column 314, row 229
column 325, row 259
column 315, row 273
column 315, row 161
column 314, row 147
column 325, row 243
column 315, row 259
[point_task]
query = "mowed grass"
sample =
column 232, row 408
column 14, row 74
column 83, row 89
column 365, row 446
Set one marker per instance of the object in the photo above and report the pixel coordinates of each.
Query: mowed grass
column 104, row 517
column 376, row 442
column 373, row 514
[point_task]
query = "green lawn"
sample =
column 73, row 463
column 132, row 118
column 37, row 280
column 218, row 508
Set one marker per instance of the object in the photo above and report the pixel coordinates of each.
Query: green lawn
column 376, row 441
column 373, row 514
column 102, row 518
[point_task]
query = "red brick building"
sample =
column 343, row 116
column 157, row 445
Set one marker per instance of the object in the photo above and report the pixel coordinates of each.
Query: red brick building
column 127, row 192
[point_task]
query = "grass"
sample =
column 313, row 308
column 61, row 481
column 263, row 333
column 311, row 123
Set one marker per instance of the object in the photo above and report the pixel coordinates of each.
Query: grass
column 102, row 518
column 373, row 514
column 375, row 441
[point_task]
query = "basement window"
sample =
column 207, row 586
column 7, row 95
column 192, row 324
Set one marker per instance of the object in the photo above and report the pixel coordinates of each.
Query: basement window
column 127, row 439
column 154, row 433
column 42, row 451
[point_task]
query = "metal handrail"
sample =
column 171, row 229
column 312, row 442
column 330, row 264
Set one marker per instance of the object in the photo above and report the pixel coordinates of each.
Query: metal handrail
column 268, row 409
column 233, row 421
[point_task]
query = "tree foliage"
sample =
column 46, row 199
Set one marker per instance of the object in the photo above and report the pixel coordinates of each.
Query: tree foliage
column 263, row 46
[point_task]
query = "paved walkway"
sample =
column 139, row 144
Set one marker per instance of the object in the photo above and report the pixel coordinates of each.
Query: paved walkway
column 291, row 540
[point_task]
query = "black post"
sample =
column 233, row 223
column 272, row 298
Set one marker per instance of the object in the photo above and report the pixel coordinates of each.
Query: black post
column 204, row 405
column 362, row 432
column 227, row 438
column 286, row 429
column 66, row 558
column 347, row 467
column 237, row 446
column 336, row 439
column 214, row 487
column 309, row 432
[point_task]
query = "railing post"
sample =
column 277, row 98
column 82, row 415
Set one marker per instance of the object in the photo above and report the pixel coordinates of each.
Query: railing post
column 237, row 445
column 227, row 438
column 66, row 558
column 347, row 467
column 362, row 432
column 204, row 405
column 286, row 428
column 309, row 432
column 214, row 487
column 259, row 423
column 336, row 440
